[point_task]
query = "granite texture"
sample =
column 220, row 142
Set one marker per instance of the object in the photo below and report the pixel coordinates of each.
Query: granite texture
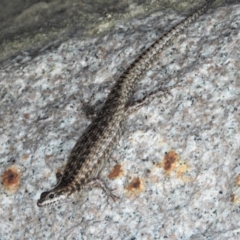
column 176, row 168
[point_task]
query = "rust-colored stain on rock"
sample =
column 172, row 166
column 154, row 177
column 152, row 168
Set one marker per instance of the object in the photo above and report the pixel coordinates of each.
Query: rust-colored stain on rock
column 136, row 186
column 116, row 172
column 11, row 179
column 181, row 170
column 238, row 180
column 169, row 161
column 234, row 197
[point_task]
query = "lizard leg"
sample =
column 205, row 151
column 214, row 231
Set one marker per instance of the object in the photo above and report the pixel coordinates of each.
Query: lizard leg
column 97, row 182
column 135, row 106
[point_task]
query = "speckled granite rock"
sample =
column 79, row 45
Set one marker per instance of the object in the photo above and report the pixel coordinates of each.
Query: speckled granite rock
column 179, row 155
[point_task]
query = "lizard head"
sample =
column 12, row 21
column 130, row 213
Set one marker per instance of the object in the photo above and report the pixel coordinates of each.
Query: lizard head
column 52, row 197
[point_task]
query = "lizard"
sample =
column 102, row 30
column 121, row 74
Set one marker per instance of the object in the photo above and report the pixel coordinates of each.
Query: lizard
column 95, row 146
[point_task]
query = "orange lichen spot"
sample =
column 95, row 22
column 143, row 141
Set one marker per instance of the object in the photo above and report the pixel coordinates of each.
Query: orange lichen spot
column 24, row 156
column 136, row 186
column 238, row 180
column 11, row 179
column 234, row 198
column 116, row 172
column 181, row 170
column 169, row 162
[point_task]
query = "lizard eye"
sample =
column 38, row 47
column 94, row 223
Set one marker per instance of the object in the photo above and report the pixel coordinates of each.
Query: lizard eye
column 51, row 196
